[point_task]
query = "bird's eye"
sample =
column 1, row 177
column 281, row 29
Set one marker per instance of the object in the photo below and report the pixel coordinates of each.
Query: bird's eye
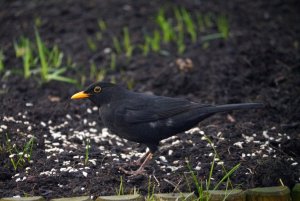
column 97, row 89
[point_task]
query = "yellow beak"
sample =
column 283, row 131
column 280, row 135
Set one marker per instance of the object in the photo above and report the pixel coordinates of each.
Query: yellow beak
column 80, row 95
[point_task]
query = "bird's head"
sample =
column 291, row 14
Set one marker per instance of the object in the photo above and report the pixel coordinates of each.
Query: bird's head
column 100, row 93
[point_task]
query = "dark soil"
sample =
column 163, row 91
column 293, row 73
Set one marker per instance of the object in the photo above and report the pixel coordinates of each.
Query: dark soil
column 260, row 62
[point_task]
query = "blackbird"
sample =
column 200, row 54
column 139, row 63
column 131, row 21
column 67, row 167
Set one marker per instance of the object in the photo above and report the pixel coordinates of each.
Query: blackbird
column 148, row 119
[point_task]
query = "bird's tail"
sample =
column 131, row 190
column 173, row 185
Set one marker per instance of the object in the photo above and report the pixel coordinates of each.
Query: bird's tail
column 229, row 107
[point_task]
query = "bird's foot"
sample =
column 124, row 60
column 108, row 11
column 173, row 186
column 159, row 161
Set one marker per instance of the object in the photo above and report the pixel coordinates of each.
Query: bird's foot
column 132, row 173
column 141, row 169
column 140, row 161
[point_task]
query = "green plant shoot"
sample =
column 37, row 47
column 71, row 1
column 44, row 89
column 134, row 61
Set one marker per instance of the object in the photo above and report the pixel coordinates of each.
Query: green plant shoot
column 189, row 23
column 127, row 43
column 223, row 26
column 2, row 57
column 165, row 26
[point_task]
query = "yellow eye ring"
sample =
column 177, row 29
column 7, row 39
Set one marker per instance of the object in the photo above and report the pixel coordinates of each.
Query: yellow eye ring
column 97, row 89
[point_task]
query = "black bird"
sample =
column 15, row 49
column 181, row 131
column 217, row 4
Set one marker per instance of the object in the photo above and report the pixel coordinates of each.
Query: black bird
column 147, row 118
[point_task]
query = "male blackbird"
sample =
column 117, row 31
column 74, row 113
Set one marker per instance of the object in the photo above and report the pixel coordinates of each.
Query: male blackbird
column 147, row 118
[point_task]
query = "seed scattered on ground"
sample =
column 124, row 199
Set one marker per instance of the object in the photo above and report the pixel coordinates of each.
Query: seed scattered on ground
column 28, row 104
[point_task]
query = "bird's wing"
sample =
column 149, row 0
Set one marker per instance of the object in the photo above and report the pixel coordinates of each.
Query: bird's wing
column 154, row 109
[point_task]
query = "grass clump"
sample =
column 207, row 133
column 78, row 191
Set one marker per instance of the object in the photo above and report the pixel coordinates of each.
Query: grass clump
column 19, row 157
column 175, row 27
column 186, row 24
column 38, row 59
column 203, row 186
column 121, row 189
column 152, row 43
column 50, row 62
column 151, row 190
column 125, row 45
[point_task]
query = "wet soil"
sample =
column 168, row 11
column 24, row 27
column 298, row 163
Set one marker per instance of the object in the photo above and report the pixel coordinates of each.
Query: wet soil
column 260, row 62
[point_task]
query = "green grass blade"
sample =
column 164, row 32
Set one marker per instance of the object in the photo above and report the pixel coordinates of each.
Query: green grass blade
column 120, row 191
column 58, row 71
column 146, row 46
column 55, row 57
column 93, row 70
column 210, row 173
column 211, row 37
column 117, row 45
column 91, row 44
column 101, row 74
column 227, row 175
column 127, row 43
column 155, row 41
column 30, row 148
column 223, row 26
column 2, row 57
column 217, row 155
column 27, row 58
column 165, row 26
column 41, row 53
column 102, row 25
column 189, row 23
column 113, row 59
column 62, row 79
column 87, row 151
column 195, row 180
column 201, row 26
column 208, row 20
column 179, row 40
column 23, row 50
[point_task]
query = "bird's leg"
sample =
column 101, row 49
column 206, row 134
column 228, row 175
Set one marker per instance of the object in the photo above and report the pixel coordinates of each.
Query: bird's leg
column 141, row 168
column 140, row 160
